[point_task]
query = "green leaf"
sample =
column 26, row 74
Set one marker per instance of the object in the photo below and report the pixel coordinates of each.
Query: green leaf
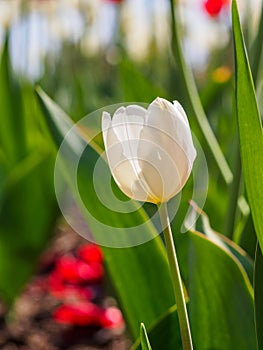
column 27, row 218
column 250, row 128
column 28, row 207
column 224, row 242
column 144, row 338
column 258, row 292
column 221, row 303
column 143, row 267
column 165, row 332
column 12, row 127
column 136, row 86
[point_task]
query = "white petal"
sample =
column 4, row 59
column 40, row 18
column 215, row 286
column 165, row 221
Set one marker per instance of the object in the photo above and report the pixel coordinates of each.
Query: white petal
column 166, row 149
column 164, row 174
column 169, row 120
column 180, row 109
column 106, row 123
column 123, row 170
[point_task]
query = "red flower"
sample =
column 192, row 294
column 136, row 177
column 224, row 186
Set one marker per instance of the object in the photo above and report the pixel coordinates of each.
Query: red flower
column 90, row 253
column 89, row 314
column 62, row 290
column 116, row 1
column 73, row 270
column 214, row 7
column 81, row 314
column 112, row 318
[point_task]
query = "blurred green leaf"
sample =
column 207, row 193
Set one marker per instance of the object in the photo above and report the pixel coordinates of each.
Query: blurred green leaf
column 226, row 244
column 11, row 112
column 27, row 217
column 257, row 47
column 221, row 303
column 136, row 86
column 250, row 128
column 143, row 266
column 258, row 292
column 144, row 338
column 28, row 207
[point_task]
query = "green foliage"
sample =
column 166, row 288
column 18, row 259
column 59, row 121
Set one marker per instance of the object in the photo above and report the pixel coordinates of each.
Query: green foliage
column 250, row 128
column 221, row 300
column 28, row 208
column 258, row 292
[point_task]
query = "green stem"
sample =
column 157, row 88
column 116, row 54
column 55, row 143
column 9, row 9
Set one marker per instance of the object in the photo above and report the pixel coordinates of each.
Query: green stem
column 176, row 279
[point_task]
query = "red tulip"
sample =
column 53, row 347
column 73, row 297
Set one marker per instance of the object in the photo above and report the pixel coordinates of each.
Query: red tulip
column 81, row 314
column 112, row 318
column 90, row 253
column 75, row 270
column 214, row 7
column 89, row 314
column 115, row 1
column 62, row 290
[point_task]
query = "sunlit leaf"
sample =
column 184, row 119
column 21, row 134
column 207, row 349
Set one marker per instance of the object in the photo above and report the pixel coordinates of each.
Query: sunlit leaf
column 250, row 127
column 258, row 292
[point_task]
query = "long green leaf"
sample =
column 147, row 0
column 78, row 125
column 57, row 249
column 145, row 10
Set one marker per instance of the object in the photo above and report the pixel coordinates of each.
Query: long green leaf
column 221, row 303
column 258, row 292
column 250, row 128
column 139, row 274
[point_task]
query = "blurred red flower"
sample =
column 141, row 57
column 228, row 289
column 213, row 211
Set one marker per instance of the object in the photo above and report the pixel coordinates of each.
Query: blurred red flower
column 81, row 314
column 112, row 318
column 89, row 314
column 59, row 289
column 214, row 7
column 116, row 1
column 90, row 253
column 74, row 270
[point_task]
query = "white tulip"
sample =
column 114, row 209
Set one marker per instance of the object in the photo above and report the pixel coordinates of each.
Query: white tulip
column 150, row 152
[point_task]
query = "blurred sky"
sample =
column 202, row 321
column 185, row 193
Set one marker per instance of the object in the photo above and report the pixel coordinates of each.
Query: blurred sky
column 40, row 30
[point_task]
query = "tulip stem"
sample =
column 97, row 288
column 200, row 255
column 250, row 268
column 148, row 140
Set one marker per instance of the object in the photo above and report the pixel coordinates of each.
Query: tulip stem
column 176, row 279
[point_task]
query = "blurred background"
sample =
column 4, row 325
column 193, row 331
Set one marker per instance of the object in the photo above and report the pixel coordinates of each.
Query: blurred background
column 87, row 54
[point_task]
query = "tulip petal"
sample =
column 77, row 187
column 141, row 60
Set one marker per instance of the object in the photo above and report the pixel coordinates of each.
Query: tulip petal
column 171, row 120
column 180, row 109
column 127, row 124
column 166, row 150
column 159, row 169
column 124, row 171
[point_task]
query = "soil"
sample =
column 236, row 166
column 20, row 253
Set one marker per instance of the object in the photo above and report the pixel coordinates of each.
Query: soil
column 30, row 325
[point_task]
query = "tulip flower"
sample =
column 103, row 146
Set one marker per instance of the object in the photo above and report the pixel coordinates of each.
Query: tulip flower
column 151, row 154
column 214, row 7
column 150, row 151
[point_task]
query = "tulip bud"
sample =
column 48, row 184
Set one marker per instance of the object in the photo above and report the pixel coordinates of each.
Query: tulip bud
column 150, row 152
